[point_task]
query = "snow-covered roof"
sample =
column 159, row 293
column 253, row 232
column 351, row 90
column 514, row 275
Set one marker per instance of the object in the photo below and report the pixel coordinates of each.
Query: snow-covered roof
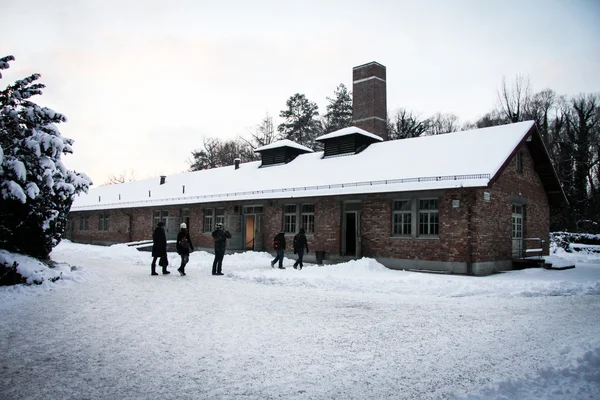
column 460, row 159
column 348, row 131
column 283, row 143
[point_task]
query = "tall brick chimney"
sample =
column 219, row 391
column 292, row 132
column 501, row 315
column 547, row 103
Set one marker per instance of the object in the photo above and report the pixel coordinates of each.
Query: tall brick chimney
column 369, row 99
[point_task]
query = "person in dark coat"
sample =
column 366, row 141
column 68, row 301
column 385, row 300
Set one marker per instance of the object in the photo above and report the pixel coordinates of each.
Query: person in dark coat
column 159, row 247
column 300, row 243
column 220, row 236
column 279, row 244
column 184, row 247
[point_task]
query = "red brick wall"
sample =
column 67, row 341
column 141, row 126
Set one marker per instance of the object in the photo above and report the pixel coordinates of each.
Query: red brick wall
column 494, row 218
column 369, row 98
column 490, row 222
column 450, row 245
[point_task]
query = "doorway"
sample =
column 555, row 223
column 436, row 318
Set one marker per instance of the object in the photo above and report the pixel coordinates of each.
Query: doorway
column 249, row 238
column 351, row 230
column 517, row 231
column 350, row 237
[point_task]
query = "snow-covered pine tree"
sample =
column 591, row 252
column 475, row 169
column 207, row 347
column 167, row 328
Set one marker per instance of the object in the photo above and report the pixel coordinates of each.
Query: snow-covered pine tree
column 300, row 121
column 339, row 110
column 36, row 189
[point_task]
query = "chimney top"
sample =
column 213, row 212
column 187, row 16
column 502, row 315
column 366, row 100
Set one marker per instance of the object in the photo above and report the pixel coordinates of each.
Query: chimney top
column 237, row 162
column 369, row 103
column 163, row 179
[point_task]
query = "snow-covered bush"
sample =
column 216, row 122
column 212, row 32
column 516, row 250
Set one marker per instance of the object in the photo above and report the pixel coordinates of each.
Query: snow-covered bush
column 36, row 189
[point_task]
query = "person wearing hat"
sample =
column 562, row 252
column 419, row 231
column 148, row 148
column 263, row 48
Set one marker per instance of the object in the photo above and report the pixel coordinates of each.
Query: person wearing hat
column 220, row 236
column 184, row 247
column 279, row 245
column 159, row 248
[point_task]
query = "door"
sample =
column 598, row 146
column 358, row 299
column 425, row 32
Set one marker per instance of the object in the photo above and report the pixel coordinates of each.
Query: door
column 351, row 237
column 258, row 237
column 234, row 226
column 249, row 232
column 172, row 227
column 517, row 231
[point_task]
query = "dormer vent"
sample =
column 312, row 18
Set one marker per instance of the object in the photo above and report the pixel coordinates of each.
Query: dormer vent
column 351, row 140
column 281, row 152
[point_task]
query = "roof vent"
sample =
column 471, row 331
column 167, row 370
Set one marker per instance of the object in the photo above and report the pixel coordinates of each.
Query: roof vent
column 163, row 179
column 237, row 162
column 351, row 140
column 281, row 152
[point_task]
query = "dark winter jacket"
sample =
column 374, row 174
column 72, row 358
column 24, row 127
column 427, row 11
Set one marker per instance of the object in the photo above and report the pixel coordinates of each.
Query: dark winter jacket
column 300, row 242
column 159, row 242
column 220, row 236
column 279, row 241
column 184, row 235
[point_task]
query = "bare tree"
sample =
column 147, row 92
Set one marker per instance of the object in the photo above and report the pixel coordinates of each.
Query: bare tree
column 406, row 124
column 207, row 157
column 122, row 177
column 442, row 123
column 515, row 100
column 262, row 135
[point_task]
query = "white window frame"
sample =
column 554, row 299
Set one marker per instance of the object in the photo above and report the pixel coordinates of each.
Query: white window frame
column 307, row 218
column 433, row 227
column 103, row 221
column 84, row 222
column 290, row 218
column 403, row 213
column 209, row 220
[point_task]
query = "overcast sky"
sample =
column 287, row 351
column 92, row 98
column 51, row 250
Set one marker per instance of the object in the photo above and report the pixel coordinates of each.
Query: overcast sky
column 142, row 81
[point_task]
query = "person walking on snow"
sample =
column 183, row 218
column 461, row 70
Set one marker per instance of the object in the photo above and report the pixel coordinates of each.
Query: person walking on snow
column 300, row 243
column 184, row 247
column 159, row 247
column 220, row 236
column 279, row 244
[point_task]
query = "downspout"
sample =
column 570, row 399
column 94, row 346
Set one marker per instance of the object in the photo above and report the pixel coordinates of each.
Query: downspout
column 130, row 230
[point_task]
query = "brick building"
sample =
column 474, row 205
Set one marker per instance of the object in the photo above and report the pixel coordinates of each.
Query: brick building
column 465, row 202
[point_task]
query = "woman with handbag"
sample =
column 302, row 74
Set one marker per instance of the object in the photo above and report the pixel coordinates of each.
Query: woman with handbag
column 159, row 249
column 184, row 247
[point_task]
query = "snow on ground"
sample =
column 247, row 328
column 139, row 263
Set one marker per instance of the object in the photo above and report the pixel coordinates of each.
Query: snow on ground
column 109, row 330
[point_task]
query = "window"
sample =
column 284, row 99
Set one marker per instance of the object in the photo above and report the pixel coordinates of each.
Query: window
column 185, row 217
column 83, row 222
column 103, row 221
column 423, row 212
column 307, row 217
column 519, row 162
column 158, row 216
column 402, row 218
column 428, row 217
column 208, row 219
column 289, row 218
column 252, row 210
column 220, row 216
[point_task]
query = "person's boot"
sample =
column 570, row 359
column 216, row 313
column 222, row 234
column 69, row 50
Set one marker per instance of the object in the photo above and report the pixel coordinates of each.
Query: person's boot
column 153, row 270
column 181, row 271
column 165, row 272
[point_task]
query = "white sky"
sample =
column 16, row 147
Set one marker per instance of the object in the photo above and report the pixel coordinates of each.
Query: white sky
column 142, row 82
column 355, row 330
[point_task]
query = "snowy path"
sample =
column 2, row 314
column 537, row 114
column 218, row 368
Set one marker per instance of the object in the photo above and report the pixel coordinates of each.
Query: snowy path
column 127, row 335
